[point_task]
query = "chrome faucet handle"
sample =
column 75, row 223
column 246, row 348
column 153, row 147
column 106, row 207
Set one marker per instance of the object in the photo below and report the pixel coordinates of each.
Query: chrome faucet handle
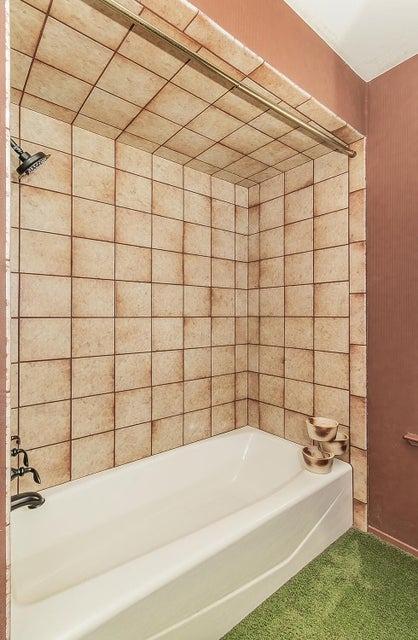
column 16, row 451
column 16, row 439
column 21, row 471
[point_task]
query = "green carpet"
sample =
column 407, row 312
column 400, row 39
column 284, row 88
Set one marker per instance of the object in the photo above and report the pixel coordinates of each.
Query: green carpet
column 358, row 589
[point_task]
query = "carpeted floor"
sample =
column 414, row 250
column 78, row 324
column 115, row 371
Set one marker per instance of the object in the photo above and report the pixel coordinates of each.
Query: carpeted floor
column 359, row 589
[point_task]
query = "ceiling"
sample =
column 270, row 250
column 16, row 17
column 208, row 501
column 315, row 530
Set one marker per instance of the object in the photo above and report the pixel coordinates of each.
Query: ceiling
column 80, row 64
column 371, row 36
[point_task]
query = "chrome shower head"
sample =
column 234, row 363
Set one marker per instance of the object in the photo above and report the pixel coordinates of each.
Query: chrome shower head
column 28, row 163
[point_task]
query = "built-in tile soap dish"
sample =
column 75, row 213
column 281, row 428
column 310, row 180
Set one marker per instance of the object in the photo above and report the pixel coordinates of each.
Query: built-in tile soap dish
column 321, row 429
column 338, row 446
column 317, row 461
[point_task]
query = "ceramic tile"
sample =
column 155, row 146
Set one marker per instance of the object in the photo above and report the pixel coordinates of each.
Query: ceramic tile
column 132, row 191
column 332, row 403
column 92, row 415
column 132, row 263
column 93, row 259
column 45, row 424
column 321, row 115
column 132, row 334
column 53, row 462
column 299, row 396
column 332, row 369
column 43, row 210
column 91, row 376
column 358, row 370
column 214, row 123
column 331, row 194
column 132, row 407
column 92, row 336
column 111, row 109
column 299, row 268
column 177, row 105
column 129, row 81
column 299, row 333
column 132, row 371
column 91, row 146
column 332, row 334
column 167, row 400
column 44, row 339
column 57, row 47
column 19, row 69
column 37, row 127
column 92, row 297
column 358, row 267
column 133, row 227
column 357, row 166
column 298, row 237
column 332, row 299
column 299, row 364
column 48, row 108
column 223, row 418
column 58, row 176
column 45, row 296
column 132, row 299
column 93, row 220
column 295, row 427
column 56, row 86
column 92, row 180
column 45, row 253
column 99, row 128
column 167, row 333
column 358, row 318
column 357, row 209
column 210, row 35
column 167, row 366
column 358, row 459
column 92, row 454
column 268, row 77
column 26, row 24
column 331, row 264
column 167, row 433
column 132, row 443
column 299, row 300
column 197, row 425
column 358, row 422
column 153, row 126
column 329, row 165
column 299, row 205
column 331, row 229
column 90, row 20
column 149, row 52
column 42, row 382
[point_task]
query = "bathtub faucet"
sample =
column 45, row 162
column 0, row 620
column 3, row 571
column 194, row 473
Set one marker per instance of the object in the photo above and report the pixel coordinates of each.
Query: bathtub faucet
column 21, row 471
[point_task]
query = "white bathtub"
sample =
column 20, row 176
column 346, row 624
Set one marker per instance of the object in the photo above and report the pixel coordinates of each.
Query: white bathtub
column 180, row 546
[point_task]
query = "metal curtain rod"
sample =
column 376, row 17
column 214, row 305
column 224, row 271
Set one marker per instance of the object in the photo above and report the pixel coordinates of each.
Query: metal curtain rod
column 328, row 138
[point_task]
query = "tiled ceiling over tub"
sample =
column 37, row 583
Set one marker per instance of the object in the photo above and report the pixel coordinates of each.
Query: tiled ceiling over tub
column 81, row 63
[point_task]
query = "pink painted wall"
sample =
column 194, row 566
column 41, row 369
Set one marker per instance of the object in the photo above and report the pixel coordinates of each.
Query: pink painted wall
column 392, row 213
column 274, row 31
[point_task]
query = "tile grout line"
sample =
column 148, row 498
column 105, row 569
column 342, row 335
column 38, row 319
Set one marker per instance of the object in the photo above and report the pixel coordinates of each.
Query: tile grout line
column 115, row 162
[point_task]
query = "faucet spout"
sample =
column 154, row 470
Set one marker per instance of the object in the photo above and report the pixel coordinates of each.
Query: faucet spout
column 30, row 499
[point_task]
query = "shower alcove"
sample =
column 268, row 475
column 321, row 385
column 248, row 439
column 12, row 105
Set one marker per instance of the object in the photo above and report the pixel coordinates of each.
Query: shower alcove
column 188, row 261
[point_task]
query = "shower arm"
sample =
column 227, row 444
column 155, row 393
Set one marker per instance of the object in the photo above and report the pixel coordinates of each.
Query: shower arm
column 328, row 138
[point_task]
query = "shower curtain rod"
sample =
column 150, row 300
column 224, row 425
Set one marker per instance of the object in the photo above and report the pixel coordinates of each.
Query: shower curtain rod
column 327, row 138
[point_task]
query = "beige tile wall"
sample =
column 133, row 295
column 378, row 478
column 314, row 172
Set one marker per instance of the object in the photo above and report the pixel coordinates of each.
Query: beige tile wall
column 150, row 301
column 129, row 303
column 307, row 319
